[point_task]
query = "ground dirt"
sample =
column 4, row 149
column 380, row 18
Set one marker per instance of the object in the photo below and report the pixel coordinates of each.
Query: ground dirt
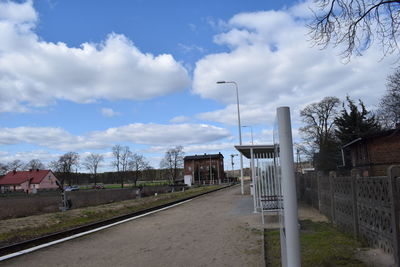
column 217, row 229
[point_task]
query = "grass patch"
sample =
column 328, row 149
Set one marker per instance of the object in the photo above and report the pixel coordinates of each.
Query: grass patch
column 153, row 183
column 114, row 186
column 321, row 245
column 21, row 229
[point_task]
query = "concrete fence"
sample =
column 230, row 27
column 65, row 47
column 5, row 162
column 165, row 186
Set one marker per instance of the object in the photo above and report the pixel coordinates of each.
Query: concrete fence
column 20, row 205
column 367, row 207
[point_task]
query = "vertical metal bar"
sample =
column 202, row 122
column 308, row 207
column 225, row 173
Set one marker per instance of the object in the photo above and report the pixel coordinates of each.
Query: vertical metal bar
column 288, row 187
column 253, row 180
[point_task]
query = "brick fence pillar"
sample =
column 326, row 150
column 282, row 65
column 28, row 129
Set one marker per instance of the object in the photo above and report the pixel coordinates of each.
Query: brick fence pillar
column 393, row 173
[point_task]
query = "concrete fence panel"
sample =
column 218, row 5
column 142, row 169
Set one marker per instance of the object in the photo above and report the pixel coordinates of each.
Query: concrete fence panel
column 367, row 207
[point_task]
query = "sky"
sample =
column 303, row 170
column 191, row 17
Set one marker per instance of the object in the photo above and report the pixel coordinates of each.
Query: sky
column 84, row 76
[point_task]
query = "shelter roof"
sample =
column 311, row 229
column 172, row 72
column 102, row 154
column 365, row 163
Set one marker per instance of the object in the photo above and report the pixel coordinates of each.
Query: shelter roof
column 260, row 151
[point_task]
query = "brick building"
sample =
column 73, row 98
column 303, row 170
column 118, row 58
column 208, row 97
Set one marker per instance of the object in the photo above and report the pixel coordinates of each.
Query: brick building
column 204, row 169
column 372, row 154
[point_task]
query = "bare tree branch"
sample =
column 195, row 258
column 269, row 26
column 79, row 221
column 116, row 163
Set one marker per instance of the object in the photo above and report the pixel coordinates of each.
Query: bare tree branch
column 356, row 24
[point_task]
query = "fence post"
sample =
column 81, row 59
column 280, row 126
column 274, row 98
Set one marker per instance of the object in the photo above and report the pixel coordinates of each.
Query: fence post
column 393, row 173
column 332, row 176
column 319, row 191
column 354, row 175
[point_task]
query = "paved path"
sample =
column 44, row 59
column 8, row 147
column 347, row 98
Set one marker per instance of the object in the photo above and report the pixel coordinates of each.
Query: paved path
column 213, row 230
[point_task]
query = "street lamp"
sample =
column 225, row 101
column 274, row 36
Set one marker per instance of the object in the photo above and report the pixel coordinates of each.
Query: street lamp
column 251, row 129
column 240, row 132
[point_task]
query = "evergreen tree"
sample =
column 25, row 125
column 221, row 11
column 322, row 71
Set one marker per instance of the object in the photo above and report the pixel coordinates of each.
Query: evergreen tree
column 354, row 123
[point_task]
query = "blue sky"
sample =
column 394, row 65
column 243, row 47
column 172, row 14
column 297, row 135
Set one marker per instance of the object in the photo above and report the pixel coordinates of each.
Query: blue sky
column 86, row 75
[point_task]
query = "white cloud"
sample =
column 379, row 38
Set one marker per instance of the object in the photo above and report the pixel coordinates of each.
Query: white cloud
column 109, row 112
column 138, row 133
column 194, row 149
column 50, row 137
column 17, row 13
column 274, row 65
column 35, row 73
column 190, row 48
column 160, row 134
column 180, row 119
column 25, row 156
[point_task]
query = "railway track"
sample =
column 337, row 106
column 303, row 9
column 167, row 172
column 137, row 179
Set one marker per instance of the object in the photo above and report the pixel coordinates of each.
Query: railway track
column 27, row 246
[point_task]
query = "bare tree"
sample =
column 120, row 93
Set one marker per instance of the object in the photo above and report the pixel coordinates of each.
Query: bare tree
column 92, row 162
column 356, row 24
column 3, row 169
column 15, row 165
column 34, row 164
column 125, row 156
column 319, row 120
column 64, row 165
column 389, row 106
column 116, row 150
column 138, row 163
column 318, row 131
column 172, row 162
column 121, row 160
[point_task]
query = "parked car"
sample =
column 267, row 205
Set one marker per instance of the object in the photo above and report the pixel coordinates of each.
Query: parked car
column 71, row 188
column 98, row 186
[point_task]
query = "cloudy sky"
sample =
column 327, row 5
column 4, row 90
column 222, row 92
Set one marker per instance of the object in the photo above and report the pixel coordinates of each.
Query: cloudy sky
column 85, row 75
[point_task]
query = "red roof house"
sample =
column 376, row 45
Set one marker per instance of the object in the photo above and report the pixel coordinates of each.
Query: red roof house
column 28, row 181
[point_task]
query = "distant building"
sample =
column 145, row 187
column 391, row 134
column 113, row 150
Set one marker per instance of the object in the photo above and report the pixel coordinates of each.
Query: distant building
column 373, row 154
column 204, row 169
column 28, row 181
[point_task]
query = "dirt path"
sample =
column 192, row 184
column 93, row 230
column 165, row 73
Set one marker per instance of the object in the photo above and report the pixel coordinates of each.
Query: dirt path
column 213, row 230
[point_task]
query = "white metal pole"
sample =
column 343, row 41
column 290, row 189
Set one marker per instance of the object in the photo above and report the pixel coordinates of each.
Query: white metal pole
column 288, row 188
column 253, row 177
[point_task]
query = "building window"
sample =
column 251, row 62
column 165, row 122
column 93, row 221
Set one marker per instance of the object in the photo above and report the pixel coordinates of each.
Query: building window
column 190, row 168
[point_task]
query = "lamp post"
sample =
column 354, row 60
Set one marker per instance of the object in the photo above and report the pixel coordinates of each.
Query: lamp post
column 240, row 132
column 251, row 129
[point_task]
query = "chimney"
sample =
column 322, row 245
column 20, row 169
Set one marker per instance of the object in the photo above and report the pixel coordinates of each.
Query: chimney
column 37, row 170
column 30, row 170
column 14, row 171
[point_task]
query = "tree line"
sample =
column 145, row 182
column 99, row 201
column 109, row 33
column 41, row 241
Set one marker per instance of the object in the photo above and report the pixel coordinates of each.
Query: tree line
column 327, row 127
column 128, row 166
